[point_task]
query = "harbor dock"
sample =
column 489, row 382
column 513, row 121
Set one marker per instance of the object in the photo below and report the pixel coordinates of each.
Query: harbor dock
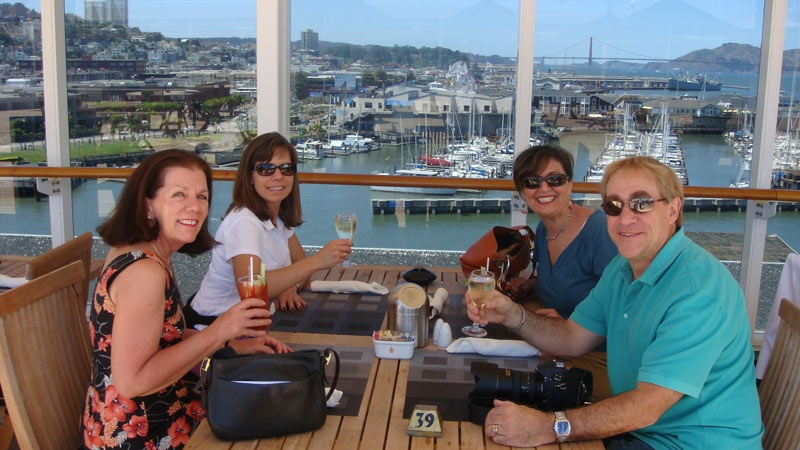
column 503, row 205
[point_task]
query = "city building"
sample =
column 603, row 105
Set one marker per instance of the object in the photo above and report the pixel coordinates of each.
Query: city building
column 309, row 40
column 114, row 12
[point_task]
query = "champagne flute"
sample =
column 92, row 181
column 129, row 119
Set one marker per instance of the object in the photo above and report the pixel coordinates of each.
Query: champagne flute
column 480, row 285
column 346, row 223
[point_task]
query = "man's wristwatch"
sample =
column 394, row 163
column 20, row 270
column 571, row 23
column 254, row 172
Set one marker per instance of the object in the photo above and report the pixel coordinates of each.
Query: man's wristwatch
column 561, row 426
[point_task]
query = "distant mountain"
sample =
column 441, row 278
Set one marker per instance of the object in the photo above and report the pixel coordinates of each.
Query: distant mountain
column 725, row 58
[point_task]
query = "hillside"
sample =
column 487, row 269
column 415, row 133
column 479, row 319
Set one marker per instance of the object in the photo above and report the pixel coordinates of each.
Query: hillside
column 725, row 58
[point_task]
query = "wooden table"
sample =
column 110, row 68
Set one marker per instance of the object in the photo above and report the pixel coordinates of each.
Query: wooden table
column 15, row 266
column 380, row 423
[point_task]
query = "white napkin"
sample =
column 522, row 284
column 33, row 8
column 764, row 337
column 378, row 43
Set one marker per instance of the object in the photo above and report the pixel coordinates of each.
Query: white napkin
column 11, row 282
column 492, row 347
column 437, row 302
column 348, row 287
column 334, row 400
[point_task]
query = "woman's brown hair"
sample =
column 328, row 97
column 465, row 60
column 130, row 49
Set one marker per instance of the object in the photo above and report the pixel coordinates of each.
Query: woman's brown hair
column 262, row 149
column 128, row 223
column 533, row 159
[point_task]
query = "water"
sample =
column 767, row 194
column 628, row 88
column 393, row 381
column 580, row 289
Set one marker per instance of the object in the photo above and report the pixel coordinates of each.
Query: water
column 709, row 163
column 743, row 83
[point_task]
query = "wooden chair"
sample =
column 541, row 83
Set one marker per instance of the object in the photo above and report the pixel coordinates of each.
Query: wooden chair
column 77, row 249
column 46, row 358
column 779, row 391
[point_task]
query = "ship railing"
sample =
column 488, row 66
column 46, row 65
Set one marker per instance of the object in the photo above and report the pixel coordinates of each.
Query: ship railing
column 769, row 195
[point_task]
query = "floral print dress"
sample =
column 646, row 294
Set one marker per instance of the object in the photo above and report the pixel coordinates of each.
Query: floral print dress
column 162, row 420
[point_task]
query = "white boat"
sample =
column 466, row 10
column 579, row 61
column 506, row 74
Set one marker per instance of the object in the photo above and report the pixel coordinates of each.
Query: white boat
column 309, row 150
column 411, row 189
column 356, row 143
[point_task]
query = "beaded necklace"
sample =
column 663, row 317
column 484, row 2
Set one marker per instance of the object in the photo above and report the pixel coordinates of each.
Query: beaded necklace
column 563, row 227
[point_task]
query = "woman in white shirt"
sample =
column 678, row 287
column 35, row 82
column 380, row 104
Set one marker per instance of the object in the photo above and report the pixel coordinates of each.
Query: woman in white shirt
column 259, row 226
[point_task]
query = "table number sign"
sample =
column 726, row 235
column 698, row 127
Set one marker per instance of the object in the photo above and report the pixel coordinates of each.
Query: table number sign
column 425, row 421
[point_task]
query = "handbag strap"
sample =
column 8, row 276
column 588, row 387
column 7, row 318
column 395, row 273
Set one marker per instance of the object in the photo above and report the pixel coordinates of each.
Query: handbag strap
column 326, row 359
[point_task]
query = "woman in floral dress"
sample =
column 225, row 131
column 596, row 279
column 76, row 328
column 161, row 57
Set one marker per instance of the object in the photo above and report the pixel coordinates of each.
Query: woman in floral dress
column 140, row 345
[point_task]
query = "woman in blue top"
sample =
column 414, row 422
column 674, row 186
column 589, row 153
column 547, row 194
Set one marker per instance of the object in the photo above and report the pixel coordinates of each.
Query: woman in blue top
column 571, row 247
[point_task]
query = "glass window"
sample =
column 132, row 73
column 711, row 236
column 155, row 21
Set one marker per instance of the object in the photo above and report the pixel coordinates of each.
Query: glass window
column 23, row 209
column 445, row 73
column 144, row 78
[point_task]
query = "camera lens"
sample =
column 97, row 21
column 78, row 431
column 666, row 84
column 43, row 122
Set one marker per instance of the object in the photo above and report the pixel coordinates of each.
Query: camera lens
column 551, row 387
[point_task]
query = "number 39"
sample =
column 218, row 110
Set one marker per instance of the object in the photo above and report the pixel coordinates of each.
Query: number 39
column 424, row 419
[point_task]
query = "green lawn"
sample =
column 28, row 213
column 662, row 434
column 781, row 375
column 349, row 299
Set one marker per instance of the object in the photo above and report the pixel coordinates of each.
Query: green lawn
column 111, row 148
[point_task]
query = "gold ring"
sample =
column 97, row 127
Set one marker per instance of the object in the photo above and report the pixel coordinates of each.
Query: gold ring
column 344, row 255
column 495, row 430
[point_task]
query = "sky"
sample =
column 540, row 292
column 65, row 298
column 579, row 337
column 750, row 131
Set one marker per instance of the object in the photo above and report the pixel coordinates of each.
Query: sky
column 619, row 28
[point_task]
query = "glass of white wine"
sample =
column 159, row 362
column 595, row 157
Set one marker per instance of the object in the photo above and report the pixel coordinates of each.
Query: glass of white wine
column 480, row 285
column 346, row 223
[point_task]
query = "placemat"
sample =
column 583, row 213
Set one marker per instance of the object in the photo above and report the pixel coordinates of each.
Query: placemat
column 444, row 379
column 330, row 313
column 455, row 313
column 354, row 366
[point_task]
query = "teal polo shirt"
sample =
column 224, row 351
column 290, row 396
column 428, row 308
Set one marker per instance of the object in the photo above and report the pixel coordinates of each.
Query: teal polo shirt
column 682, row 325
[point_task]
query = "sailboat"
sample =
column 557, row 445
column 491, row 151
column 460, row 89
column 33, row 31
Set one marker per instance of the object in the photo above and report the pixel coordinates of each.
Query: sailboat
column 413, row 171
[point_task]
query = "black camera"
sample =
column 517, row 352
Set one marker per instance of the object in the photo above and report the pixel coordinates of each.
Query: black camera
column 552, row 387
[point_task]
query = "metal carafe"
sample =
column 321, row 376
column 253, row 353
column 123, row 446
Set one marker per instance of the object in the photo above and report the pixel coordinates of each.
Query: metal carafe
column 409, row 309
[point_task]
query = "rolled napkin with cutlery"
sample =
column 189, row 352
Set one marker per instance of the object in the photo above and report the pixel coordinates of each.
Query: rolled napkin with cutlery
column 348, row 287
column 492, row 347
column 437, row 302
column 11, row 282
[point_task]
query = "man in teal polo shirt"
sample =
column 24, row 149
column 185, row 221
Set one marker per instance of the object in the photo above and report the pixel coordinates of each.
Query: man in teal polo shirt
column 674, row 320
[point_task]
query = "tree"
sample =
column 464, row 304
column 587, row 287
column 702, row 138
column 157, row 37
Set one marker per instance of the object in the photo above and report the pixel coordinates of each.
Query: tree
column 164, row 109
column 368, row 78
column 115, row 120
column 300, row 85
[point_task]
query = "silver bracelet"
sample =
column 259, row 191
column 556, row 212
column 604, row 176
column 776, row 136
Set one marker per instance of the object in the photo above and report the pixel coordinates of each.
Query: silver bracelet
column 521, row 320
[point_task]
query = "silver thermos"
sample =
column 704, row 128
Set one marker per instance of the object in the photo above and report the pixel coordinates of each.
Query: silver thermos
column 409, row 309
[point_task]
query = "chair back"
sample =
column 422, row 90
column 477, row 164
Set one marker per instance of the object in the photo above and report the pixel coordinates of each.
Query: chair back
column 46, row 358
column 779, row 391
column 77, row 249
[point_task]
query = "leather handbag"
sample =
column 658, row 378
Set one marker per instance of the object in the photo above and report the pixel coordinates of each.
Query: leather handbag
column 261, row 395
column 507, row 249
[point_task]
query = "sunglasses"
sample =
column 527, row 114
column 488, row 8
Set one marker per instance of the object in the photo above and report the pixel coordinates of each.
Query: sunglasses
column 639, row 205
column 553, row 180
column 266, row 169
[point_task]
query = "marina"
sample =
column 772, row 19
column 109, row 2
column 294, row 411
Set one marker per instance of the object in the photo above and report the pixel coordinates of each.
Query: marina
column 709, row 158
column 659, row 143
column 503, row 205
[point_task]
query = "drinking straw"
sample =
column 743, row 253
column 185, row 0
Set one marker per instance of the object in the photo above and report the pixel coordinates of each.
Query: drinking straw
column 486, row 269
column 251, row 269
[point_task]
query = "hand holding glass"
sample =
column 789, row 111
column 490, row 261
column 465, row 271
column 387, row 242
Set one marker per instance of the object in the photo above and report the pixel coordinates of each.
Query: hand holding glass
column 346, row 223
column 254, row 286
column 480, row 285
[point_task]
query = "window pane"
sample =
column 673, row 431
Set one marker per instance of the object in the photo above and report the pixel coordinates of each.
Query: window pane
column 22, row 116
column 426, row 86
column 150, row 75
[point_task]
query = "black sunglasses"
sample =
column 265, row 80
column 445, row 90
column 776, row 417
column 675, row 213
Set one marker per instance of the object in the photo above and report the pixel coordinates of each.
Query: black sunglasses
column 639, row 205
column 553, row 180
column 266, row 169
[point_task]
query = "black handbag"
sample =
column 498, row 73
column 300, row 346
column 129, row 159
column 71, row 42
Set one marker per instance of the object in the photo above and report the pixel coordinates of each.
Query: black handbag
column 257, row 396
